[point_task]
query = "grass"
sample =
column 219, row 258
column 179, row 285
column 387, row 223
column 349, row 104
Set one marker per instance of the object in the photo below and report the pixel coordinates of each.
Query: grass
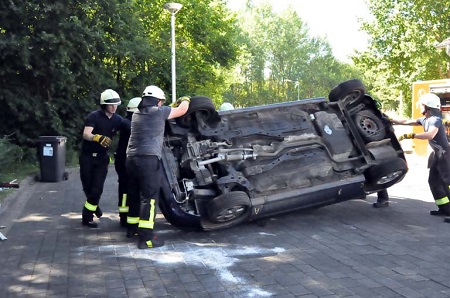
column 20, row 172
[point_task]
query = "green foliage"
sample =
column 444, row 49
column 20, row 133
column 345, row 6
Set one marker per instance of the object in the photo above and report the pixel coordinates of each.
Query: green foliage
column 281, row 62
column 12, row 155
column 403, row 34
column 58, row 56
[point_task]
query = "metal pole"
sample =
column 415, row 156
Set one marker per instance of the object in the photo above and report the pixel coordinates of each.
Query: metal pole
column 174, row 85
column 173, row 8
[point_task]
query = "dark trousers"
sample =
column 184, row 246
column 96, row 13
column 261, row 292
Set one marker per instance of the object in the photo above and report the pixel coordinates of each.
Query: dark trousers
column 144, row 186
column 93, row 171
column 439, row 178
column 382, row 196
column 120, row 166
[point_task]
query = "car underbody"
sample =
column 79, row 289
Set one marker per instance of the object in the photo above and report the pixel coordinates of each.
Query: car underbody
column 225, row 168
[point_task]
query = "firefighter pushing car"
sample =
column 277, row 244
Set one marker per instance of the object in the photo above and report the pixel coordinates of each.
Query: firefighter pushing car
column 439, row 161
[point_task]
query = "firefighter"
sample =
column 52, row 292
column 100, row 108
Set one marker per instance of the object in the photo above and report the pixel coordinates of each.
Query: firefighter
column 439, row 161
column 144, row 161
column 99, row 128
column 120, row 157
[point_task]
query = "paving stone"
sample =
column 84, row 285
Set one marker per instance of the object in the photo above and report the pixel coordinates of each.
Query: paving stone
column 345, row 250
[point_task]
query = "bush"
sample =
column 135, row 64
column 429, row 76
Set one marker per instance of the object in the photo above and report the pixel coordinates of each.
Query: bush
column 11, row 155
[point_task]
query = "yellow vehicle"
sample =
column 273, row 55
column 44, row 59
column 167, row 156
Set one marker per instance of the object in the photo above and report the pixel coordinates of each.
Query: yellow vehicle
column 442, row 89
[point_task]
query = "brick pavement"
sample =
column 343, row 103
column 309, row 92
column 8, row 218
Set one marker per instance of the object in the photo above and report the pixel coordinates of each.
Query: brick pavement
column 343, row 250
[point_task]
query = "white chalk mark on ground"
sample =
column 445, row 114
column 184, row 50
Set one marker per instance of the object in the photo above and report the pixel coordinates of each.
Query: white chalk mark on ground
column 212, row 256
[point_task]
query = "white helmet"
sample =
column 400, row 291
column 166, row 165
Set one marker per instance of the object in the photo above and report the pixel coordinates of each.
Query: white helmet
column 226, row 106
column 110, row 97
column 430, row 100
column 154, row 92
column 133, row 104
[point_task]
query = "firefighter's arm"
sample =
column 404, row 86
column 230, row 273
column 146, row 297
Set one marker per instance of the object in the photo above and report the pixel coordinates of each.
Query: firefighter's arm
column 89, row 136
column 404, row 121
column 181, row 109
column 428, row 135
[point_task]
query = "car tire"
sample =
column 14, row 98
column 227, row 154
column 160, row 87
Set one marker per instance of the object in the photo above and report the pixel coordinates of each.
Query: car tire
column 200, row 106
column 385, row 174
column 349, row 92
column 370, row 126
column 232, row 207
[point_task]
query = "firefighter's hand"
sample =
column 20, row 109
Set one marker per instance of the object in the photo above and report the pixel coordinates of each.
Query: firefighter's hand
column 386, row 118
column 179, row 101
column 102, row 140
column 406, row 136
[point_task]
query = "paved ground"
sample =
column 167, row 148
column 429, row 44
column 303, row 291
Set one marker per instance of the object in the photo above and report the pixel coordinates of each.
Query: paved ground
column 345, row 250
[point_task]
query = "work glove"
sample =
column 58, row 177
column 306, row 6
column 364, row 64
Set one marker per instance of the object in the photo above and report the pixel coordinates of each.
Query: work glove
column 102, row 140
column 386, row 117
column 406, row 136
column 179, row 100
column 446, row 122
column 378, row 104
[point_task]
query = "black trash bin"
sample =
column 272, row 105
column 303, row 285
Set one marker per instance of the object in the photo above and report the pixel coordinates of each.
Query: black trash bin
column 52, row 158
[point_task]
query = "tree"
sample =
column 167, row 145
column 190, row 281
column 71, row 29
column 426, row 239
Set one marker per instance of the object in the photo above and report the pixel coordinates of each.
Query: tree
column 58, row 56
column 401, row 49
column 279, row 51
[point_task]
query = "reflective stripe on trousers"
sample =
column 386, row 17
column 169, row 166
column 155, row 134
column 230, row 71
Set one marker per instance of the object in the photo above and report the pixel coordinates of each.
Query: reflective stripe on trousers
column 90, row 207
column 150, row 223
column 123, row 208
column 442, row 201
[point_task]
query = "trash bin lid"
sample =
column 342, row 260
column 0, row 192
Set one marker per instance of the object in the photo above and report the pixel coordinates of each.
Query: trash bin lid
column 51, row 139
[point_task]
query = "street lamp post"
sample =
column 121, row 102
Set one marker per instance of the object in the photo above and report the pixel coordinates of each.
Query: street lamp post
column 173, row 8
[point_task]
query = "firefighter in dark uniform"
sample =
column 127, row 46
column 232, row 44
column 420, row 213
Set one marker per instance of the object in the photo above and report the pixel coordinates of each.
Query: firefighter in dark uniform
column 144, row 161
column 120, row 157
column 439, row 162
column 99, row 127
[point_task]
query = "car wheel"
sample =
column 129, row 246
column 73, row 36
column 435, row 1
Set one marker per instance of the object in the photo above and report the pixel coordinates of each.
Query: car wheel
column 349, row 92
column 385, row 174
column 370, row 126
column 200, row 106
column 229, row 207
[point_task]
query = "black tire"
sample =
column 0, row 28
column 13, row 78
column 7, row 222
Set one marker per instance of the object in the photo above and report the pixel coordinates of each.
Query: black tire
column 232, row 208
column 349, row 92
column 370, row 126
column 385, row 174
column 200, row 106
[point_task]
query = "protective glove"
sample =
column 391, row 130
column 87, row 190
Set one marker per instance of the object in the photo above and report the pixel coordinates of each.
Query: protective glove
column 102, row 140
column 179, row 100
column 378, row 104
column 406, row 136
column 386, row 117
column 446, row 122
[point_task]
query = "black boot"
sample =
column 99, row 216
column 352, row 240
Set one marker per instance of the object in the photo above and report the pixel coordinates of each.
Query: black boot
column 438, row 212
column 380, row 204
column 123, row 220
column 150, row 243
column 444, row 210
column 132, row 230
column 88, row 218
column 98, row 212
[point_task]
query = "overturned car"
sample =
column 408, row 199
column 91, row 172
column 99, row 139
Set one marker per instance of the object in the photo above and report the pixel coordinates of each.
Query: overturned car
column 225, row 168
